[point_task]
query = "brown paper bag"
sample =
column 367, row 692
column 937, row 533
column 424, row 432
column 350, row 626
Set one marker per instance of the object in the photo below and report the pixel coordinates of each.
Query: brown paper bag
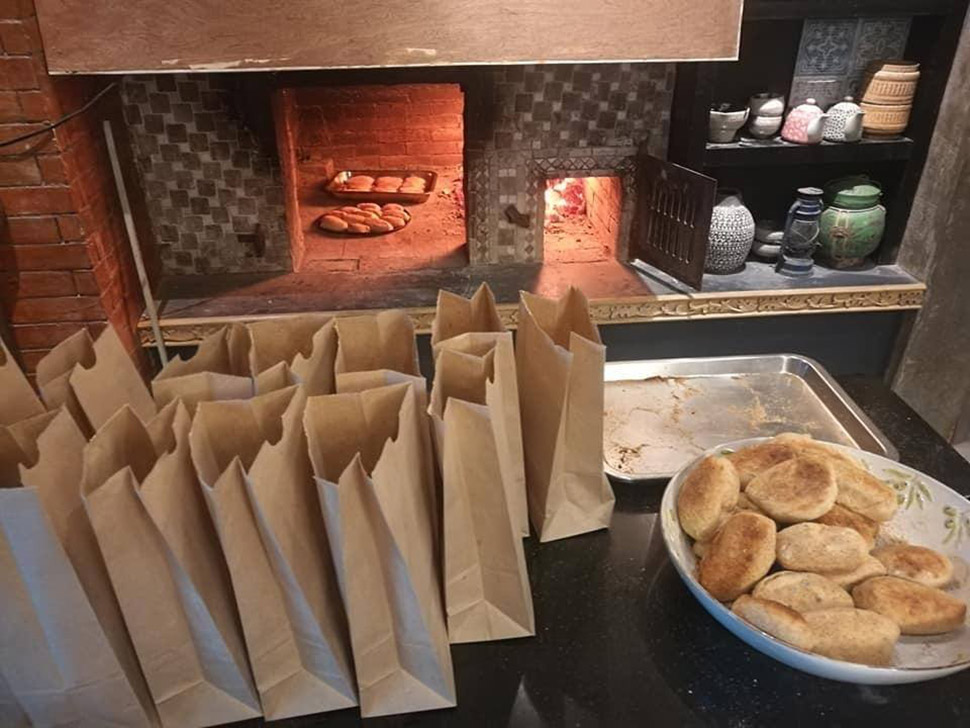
column 380, row 341
column 487, row 594
column 54, row 373
column 81, row 652
column 54, row 654
column 366, row 455
column 360, row 381
column 95, row 378
column 19, row 400
column 264, row 503
column 560, row 361
column 493, row 375
column 218, row 370
column 11, row 711
column 142, row 496
column 306, row 343
column 18, row 446
column 455, row 315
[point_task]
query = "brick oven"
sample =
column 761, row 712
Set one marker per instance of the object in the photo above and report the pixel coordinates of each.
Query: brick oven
column 226, row 196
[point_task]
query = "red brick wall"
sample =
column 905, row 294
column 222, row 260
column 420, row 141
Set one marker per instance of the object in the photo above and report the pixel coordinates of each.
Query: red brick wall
column 380, row 127
column 64, row 257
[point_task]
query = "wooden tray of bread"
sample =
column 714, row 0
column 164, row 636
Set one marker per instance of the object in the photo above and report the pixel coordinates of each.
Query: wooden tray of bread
column 364, row 219
column 388, row 185
column 830, row 559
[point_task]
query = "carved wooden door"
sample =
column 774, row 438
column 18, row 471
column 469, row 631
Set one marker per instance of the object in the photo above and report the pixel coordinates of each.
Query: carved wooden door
column 672, row 218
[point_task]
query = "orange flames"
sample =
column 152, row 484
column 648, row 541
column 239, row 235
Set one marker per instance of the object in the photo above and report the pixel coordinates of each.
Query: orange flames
column 564, row 198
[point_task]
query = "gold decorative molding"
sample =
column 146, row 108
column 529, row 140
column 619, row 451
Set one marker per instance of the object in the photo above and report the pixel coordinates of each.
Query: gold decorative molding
column 672, row 307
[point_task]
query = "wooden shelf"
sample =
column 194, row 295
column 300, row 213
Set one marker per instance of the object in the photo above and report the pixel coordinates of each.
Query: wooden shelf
column 789, row 9
column 781, row 152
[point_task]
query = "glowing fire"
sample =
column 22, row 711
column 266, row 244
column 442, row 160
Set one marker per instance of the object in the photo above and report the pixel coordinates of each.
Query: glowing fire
column 564, row 198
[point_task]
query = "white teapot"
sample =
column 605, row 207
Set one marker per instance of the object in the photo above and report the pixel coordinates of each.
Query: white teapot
column 844, row 122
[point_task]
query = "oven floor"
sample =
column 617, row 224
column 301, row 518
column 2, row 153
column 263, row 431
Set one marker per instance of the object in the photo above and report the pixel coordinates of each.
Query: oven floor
column 435, row 237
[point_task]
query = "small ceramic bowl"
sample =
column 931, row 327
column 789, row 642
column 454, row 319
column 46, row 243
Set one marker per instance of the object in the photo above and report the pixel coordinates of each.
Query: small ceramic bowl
column 724, row 122
column 764, row 127
column 767, row 104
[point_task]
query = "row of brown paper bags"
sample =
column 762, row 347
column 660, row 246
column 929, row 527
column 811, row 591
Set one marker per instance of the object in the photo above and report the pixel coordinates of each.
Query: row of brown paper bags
column 182, row 511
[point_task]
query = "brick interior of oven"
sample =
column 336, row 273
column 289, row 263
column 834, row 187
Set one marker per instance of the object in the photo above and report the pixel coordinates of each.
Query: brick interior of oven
column 415, row 127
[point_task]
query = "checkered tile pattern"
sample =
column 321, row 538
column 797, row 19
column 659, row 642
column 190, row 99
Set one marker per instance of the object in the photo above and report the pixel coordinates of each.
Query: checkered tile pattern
column 214, row 197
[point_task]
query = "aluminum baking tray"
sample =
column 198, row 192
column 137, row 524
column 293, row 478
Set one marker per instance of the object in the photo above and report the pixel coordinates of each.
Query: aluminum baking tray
column 334, row 186
column 661, row 413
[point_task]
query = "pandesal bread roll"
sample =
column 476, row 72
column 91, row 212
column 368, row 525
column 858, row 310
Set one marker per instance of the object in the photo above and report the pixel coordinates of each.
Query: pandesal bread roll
column 776, row 619
column 739, row 557
column 389, row 181
column 360, row 182
column 864, row 493
column 799, row 489
column 854, row 635
column 820, row 548
column 869, row 568
column 356, row 227
column 751, row 461
column 807, row 445
column 381, row 226
column 332, row 222
column 711, row 488
column 916, row 563
column 746, row 504
column 916, row 608
column 392, row 207
column 370, row 207
column 802, row 591
column 842, row 516
column 396, row 222
column 414, row 180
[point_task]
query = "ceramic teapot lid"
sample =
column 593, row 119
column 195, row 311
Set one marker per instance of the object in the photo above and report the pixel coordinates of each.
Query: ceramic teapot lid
column 809, row 107
column 853, row 193
column 846, row 104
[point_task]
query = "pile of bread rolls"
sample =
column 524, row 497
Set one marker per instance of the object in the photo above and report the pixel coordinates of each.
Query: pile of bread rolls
column 413, row 184
column 816, row 513
column 365, row 218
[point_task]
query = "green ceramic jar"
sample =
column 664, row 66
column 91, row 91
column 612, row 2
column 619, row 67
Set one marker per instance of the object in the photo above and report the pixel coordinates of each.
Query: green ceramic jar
column 852, row 223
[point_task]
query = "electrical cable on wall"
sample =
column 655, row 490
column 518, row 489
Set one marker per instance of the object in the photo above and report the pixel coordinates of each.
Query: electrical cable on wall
column 67, row 117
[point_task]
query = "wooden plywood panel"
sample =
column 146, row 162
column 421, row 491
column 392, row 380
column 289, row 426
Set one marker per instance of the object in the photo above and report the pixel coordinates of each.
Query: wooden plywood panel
column 114, row 36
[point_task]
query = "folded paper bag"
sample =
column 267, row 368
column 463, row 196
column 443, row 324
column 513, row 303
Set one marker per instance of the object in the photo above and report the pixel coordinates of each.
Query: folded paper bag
column 142, row 496
column 252, row 459
column 560, row 361
column 305, row 344
column 71, row 649
column 54, row 372
column 361, row 381
column 490, row 364
column 218, row 370
column 487, row 594
column 18, row 398
column 18, row 446
column 366, row 456
column 455, row 315
column 379, row 341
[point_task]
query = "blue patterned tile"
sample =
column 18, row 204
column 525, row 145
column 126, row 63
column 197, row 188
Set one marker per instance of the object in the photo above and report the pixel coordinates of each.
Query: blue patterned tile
column 826, row 48
column 879, row 38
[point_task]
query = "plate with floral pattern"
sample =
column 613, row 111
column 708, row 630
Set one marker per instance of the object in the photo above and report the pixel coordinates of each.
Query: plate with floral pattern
column 929, row 514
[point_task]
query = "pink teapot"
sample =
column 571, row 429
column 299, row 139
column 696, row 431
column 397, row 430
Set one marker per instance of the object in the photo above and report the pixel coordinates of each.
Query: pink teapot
column 805, row 124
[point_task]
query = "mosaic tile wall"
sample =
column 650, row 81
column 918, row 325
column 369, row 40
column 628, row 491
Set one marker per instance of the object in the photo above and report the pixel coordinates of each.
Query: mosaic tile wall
column 834, row 53
column 215, row 198
column 555, row 121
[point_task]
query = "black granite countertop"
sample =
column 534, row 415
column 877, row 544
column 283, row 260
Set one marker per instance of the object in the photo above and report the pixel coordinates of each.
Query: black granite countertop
column 620, row 641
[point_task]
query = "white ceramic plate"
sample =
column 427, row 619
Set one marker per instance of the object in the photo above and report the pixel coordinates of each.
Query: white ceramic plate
column 930, row 514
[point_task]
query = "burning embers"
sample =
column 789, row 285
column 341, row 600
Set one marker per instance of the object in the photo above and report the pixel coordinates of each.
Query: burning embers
column 565, row 198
